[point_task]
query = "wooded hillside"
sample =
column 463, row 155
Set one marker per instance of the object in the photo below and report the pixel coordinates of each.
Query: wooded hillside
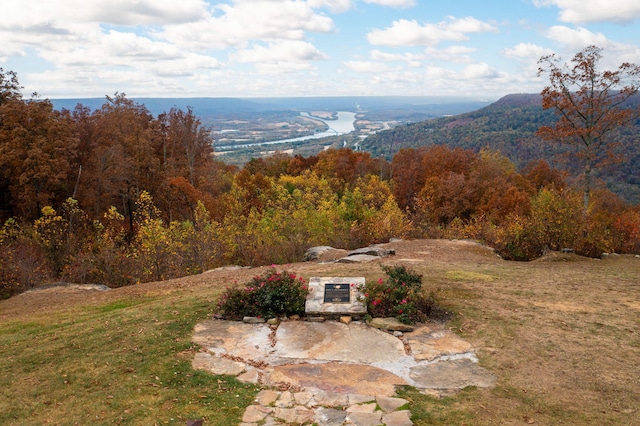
column 116, row 196
column 509, row 126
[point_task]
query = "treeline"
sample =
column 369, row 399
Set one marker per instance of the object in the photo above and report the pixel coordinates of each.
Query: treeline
column 509, row 126
column 116, row 196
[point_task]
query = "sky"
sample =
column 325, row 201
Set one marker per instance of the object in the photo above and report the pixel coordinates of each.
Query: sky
column 482, row 49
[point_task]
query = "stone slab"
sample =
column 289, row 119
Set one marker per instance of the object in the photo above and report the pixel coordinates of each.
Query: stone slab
column 316, row 305
column 390, row 324
column 334, row 341
column 429, row 343
column 250, row 376
column 285, row 401
column 358, row 258
column 217, row 365
column 373, row 251
column 359, row 399
column 365, row 419
column 255, row 413
column 454, row 374
column 267, row 397
column 247, row 341
column 303, row 397
column 390, row 404
column 398, row 418
column 329, row 416
column 339, row 378
column 362, row 408
column 329, row 399
column 296, row 415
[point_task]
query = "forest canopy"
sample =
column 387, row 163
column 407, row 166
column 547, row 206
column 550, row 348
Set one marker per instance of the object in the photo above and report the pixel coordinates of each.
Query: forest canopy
column 116, row 196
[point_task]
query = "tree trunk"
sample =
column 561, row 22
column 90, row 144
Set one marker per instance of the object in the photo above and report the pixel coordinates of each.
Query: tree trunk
column 587, row 185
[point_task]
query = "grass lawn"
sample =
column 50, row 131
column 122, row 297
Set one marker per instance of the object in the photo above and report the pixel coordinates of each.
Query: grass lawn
column 123, row 362
column 562, row 334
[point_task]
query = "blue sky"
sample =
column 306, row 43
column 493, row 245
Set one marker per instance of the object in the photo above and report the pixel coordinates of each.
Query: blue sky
column 254, row 48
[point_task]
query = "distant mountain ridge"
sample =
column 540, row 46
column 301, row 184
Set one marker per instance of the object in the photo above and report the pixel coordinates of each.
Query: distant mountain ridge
column 509, row 126
column 404, row 106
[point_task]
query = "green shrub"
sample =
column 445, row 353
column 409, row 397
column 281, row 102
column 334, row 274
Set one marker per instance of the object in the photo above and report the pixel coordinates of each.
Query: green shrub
column 270, row 295
column 401, row 296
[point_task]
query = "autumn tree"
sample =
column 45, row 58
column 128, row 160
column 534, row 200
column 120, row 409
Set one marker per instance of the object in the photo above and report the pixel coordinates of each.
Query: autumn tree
column 122, row 163
column 37, row 149
column 408, row 176
column 187, row 146
column 590, row 104
column 9, row 86
column 344, row 166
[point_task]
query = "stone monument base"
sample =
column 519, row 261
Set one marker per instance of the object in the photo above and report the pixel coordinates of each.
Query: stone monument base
column 333, row 297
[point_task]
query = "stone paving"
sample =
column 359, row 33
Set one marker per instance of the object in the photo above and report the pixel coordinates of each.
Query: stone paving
column 315, row 406
column 332, row 374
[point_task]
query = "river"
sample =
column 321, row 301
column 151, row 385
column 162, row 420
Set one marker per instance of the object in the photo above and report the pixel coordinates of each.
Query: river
column 342, row 125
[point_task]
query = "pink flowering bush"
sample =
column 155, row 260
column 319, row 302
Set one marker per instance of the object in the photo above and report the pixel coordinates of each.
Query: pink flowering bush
column 270, row 295
column 401, row 296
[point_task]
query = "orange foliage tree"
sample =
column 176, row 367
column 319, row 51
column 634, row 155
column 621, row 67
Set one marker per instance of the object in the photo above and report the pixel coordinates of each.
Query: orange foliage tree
column 590, row 105
column 37, row 151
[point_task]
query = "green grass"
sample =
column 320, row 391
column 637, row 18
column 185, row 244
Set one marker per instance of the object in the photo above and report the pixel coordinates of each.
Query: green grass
column 428, row 410
column 122, row 363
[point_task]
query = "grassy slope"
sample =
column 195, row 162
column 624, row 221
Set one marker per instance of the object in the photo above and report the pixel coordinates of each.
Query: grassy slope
column 561, row 334
column 123, row 362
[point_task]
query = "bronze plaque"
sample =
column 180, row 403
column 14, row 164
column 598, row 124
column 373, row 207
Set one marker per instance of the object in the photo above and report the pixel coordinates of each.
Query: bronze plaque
column 337, row 293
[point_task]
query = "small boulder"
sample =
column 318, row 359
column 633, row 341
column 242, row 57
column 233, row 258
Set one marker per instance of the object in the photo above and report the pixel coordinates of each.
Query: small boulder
column 323, row 253
column 253, row 320
column 389, row 324
column 345, row 319
column 358, row 258
column 373, row 251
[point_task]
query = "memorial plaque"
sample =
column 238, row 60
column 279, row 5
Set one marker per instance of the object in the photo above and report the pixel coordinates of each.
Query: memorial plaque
column 337, row 293
column 332, row 297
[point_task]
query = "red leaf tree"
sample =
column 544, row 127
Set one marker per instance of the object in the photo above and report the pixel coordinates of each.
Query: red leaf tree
column 590, row 104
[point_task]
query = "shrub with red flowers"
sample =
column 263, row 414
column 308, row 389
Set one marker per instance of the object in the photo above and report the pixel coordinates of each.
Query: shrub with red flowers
column 401, row 296
column 273, row 294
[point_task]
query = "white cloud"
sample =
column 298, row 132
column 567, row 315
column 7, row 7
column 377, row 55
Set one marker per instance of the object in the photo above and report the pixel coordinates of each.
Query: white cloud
column 393, row 3
column 173, row 41
column 586, row 11
column 479, row 71
column 410, row 33
column 527, row 56
column 114, row 12
column 389, row 57
column 335, row 6
column 576, row 38
column 475, row 79
column 455, row 54
column 284, row 51
column 246, row 20
column 527, row 51
column 365, row 66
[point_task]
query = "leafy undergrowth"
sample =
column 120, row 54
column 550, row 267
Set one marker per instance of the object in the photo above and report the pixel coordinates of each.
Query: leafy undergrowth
column 117, row 363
